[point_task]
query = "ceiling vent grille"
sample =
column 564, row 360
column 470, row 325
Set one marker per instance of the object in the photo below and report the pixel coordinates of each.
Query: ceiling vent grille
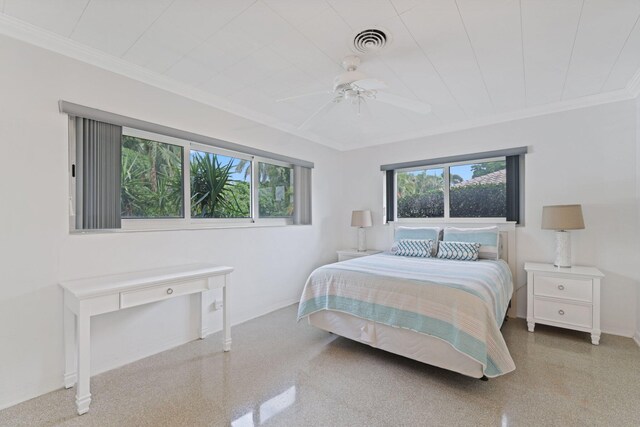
column 370, row 41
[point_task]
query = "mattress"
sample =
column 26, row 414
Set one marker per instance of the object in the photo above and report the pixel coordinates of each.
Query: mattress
column 462, row 303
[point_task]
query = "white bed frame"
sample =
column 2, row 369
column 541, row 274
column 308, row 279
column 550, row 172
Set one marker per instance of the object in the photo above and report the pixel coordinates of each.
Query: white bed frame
column 414, row 345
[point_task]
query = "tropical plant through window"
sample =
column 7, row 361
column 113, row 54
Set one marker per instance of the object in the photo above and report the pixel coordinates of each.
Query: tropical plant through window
column 421, row 193
column 275, row 190
column 151, row 179
column 152, row 182
column 220, row 186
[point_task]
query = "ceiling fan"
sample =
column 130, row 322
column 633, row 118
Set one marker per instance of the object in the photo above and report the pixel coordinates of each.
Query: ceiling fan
column 356, row 87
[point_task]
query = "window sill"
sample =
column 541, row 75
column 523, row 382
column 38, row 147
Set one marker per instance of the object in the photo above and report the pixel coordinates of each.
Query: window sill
column 452, row 220
column 196, row 226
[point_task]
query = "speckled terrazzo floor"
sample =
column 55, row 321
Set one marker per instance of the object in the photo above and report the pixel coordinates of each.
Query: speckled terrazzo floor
column 283, row 373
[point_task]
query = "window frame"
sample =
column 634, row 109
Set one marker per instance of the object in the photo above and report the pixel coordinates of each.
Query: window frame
column 447, row 218
column 131, row 223
column 186, row 221
column 283, row 220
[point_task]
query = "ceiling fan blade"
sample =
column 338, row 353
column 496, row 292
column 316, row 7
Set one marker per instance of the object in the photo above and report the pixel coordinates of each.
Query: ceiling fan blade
column 370, row 84
column 320, row 112
column 406, row 103
column 304, row 95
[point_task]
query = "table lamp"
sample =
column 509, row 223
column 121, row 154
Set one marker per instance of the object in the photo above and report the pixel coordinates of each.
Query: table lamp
column 361, row 219
column 562, row 218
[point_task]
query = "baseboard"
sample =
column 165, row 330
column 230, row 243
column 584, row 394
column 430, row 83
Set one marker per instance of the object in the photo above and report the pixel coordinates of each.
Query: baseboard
column 149, row 350
column 636, row 338
column 53, row 383
column 267, row 310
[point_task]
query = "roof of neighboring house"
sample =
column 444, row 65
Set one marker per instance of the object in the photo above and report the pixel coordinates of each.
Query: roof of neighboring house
column 497, row 177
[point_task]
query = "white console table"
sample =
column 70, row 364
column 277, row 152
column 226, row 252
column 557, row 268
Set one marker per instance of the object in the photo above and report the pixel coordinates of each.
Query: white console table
column 98, row 295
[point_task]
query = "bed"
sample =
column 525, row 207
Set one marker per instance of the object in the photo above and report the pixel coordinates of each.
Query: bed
column 445, row 313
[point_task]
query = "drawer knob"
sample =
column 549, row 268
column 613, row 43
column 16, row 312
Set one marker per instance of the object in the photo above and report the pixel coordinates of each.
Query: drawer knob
column 561, row 312
column 561, row 287
column 169, row 291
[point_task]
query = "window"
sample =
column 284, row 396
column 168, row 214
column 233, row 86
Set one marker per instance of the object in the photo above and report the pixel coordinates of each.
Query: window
column 478, row 190
column 127, row 178
column 275, row 191
column 151, row 179
column 481, row 185
column 220, row 186
column 421, row 193
column 468, row 190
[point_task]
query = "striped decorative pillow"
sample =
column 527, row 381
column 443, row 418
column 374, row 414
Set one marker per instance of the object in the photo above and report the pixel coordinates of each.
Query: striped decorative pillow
column 414, row 247
column 461, row 251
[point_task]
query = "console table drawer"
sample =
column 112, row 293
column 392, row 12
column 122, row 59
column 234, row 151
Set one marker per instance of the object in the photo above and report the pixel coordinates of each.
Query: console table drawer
column 563, row 287
column 158, row 293
column 562, row 312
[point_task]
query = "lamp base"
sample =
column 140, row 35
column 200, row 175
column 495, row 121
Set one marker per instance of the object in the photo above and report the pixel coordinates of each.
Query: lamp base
column 563, row 249
column 362, row 244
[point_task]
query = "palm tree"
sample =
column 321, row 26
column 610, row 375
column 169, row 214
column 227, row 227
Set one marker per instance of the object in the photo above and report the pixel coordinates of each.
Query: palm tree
column 213, row 192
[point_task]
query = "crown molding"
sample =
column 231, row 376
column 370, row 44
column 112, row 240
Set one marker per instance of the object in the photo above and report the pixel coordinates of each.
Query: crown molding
column 28, row 33
column 45, row 39
column 542, row 110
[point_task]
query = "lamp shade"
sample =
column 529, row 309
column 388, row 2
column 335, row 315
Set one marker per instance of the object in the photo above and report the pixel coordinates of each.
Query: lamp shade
column 361, row 219
column 562, row 217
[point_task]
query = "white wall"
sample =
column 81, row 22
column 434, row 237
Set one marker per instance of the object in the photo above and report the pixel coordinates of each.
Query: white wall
column 585, row 156
column 637, row 335
column 36, row 250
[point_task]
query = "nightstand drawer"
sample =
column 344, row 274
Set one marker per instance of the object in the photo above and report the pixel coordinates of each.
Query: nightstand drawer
column 562, row 287
column 562, row 312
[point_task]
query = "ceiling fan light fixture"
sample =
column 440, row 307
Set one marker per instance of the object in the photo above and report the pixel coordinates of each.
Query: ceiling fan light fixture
column 351, row 94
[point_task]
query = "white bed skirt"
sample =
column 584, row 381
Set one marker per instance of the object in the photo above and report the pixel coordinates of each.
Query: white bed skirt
column 416, row 346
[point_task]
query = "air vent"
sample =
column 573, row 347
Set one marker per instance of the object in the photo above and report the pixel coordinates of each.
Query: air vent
column 369, row 41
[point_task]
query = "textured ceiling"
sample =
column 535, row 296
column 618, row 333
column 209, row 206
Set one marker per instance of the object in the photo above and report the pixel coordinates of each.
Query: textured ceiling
column 470, row 59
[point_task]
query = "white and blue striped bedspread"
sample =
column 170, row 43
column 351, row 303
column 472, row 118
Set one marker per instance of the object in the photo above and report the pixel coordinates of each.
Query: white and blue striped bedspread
column 461, row 302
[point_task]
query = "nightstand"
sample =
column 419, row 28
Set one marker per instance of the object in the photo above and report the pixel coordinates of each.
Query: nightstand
column 345, row 254
column 564, row 297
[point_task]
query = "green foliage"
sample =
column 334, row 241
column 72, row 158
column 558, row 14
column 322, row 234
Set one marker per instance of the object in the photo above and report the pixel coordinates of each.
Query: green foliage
column 275, row 190
column 412, row 183
column 482, row 201
column 214, row 193
column 151, row 178
column 426, row 205
column 152, row 183
column 455, row 179
column 487, row 201
column 480, row 169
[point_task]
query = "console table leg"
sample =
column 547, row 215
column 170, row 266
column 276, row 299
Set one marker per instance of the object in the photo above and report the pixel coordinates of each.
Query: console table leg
column 70, row 348
column 204, row 302
column 226, row 319
column 83, row 393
